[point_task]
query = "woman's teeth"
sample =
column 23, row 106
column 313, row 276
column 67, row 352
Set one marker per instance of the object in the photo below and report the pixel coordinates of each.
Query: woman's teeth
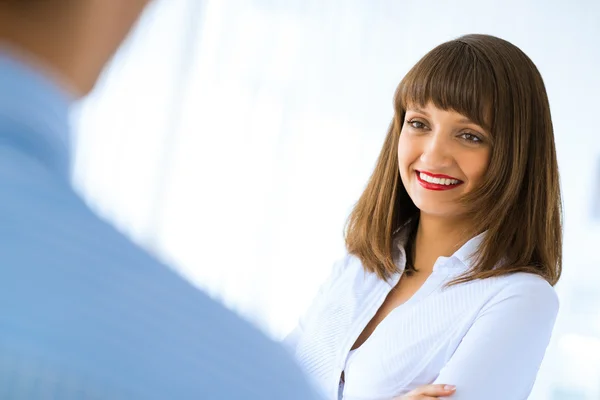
column 438, row 181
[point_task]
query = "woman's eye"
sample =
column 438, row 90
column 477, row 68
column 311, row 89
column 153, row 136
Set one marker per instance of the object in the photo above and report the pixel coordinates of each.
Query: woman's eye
column 471, row 138
column 416, row 124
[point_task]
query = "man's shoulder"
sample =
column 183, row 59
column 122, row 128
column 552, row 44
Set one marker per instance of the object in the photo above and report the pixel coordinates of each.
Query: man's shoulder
column 70, row 279
column 49, row 231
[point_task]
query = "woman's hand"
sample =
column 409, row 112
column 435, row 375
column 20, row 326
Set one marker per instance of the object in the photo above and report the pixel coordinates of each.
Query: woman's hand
column 428, row 392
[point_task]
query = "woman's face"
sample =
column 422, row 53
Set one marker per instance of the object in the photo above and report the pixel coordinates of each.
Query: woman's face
column 441, row 156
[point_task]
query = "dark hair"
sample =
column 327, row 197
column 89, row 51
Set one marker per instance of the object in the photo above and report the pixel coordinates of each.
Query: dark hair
column 493, row 83
column 38, row 6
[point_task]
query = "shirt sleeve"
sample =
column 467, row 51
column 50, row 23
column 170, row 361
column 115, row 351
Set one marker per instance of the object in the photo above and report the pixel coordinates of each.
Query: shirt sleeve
column 499, row 357
column 291, row 340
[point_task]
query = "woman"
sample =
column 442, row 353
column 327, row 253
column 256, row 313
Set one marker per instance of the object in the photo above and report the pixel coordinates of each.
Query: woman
column 455, row 244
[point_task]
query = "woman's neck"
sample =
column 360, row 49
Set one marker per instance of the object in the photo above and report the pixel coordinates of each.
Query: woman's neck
column 437, row 237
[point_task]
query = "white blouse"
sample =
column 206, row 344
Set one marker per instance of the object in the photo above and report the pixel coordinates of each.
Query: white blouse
column 487, row 337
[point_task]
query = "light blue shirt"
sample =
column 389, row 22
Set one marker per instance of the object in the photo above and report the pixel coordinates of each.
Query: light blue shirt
column 84, row 313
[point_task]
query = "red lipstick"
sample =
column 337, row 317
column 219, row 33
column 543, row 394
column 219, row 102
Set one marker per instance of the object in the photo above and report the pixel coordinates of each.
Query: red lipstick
column 437, row 186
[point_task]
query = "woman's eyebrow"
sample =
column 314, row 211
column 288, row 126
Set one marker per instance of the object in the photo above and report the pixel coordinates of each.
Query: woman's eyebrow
column 466, row 120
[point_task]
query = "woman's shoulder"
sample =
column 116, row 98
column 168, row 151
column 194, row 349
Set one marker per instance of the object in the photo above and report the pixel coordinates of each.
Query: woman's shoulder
column 529, row 290
column 348, row 273
column 525, row 281
column 347, row 266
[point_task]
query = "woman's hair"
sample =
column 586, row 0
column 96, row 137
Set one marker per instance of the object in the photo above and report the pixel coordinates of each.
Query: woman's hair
column 518, row 204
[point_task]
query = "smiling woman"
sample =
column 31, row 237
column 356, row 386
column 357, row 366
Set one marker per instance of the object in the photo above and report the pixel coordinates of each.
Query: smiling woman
column 491, row 91
column 455, row 244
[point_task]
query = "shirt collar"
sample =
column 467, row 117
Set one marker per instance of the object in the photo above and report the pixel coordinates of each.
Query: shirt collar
column 467, row 251
column 464, row 254
column 34, row 112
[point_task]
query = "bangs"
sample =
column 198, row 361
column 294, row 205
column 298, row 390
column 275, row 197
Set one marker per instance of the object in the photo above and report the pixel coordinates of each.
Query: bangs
column 453, row 77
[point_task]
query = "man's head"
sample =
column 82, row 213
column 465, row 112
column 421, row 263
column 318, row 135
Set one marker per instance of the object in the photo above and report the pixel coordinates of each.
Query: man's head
column 76, row 38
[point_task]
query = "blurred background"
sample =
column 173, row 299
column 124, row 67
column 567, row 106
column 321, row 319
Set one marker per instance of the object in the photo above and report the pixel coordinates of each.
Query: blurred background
column 232, row 137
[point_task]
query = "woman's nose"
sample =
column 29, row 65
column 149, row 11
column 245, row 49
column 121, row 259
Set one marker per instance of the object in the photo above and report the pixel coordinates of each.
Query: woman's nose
column 436, row 151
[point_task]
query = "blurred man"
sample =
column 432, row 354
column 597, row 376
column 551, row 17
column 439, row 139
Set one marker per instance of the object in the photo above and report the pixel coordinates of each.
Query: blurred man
column 84, row 313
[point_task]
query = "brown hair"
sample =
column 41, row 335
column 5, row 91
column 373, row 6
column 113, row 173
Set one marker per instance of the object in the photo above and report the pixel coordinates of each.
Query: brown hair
column 497, row 86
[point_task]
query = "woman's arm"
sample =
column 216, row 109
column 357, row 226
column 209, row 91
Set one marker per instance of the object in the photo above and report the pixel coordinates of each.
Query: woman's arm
column 500, row 355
